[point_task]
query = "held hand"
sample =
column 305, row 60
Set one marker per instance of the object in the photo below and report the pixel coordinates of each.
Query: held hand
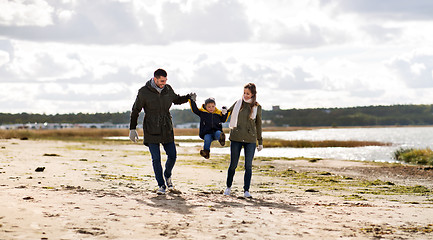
column 259, row 148
column 224, row 110
column 133, row 135
column 193, row 96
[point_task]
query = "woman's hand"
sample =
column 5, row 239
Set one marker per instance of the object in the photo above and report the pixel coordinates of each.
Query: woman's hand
column 224, row 110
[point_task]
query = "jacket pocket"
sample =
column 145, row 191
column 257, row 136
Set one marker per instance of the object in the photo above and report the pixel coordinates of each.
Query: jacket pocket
column 152, row 126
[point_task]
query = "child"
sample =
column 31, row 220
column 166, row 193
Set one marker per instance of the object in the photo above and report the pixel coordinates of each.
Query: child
column 211, row 120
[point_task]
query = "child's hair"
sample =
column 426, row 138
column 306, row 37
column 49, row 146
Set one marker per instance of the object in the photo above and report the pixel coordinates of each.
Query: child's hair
column 209, row 100
column 252, row 88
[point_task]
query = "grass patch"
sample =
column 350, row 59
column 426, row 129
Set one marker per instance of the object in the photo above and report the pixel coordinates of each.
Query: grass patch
column 418, row 156
column 354, row 197
column 331, row 182
column 265, row 159
column 122, row 177
column 62, row 134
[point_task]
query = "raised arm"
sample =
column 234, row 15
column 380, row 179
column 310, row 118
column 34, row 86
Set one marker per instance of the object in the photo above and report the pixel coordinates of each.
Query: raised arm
column 194, row 108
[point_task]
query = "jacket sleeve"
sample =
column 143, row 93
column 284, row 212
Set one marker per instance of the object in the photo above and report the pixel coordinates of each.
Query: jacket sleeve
column 229, row 111
column 224, row 117
column 194, row 108
column 181, row 99
column 136, row 109
column 231, row 108
column 177, row 99
column 259, row 125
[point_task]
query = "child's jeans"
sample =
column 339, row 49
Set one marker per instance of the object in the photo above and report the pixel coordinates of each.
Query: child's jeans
column 208, row 138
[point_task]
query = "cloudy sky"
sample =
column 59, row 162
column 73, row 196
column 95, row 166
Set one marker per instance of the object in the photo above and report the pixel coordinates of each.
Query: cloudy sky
column 69, row 56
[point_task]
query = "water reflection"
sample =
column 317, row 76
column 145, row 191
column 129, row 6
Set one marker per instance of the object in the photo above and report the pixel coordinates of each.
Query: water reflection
column 417, row 137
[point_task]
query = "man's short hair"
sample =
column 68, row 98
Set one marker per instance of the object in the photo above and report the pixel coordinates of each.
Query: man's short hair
column 160, row 73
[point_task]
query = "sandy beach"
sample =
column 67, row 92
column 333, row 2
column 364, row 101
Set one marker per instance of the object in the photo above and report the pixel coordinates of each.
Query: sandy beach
column 106, row 190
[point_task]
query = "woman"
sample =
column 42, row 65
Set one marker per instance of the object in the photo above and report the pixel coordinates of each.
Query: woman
column 245, row 131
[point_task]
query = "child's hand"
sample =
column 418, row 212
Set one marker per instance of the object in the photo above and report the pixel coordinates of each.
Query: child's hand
column 224, row 110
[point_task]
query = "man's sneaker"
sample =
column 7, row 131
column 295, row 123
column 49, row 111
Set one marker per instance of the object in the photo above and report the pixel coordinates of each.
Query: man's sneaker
column 227, row 191
column 160, row 191
column 247, row 194
column 169, row 183
column 222, row 139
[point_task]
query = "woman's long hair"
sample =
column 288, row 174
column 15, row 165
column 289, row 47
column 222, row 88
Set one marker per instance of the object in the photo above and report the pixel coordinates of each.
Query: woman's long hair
column 252, row 88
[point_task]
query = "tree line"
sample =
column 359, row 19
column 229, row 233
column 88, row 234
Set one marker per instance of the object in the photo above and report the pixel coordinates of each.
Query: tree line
column 352, row 116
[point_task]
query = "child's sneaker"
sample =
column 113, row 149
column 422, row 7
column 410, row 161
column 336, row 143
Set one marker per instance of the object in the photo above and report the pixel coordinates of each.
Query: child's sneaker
column 247, row 194
column 205, row 153
column 160, row 191
column 227, row 191
column 222, row 139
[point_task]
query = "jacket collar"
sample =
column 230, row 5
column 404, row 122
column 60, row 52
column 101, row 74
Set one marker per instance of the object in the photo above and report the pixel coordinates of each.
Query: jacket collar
column 151, row 88
column 217, row 111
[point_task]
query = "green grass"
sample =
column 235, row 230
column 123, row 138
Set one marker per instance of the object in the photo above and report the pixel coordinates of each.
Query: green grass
column 418, row 156
column 331, row 182
column 61, row 134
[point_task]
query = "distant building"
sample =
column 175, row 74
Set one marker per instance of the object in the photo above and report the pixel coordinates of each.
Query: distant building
column 276, row 108
column 188, row 125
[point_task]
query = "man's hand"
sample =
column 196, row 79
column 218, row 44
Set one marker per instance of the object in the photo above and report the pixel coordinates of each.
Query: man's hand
column 133, row 135
column 224, row 110
column 193, row 96
column 259, row 148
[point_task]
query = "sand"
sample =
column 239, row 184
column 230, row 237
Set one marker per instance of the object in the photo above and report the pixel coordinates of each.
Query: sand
column 96, row 190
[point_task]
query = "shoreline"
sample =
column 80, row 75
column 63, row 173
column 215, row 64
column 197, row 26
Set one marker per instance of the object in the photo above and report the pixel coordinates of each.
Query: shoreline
column 101, row 190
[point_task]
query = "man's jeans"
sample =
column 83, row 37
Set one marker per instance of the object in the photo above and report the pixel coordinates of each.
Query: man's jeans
column 208, row 138
column 170, row 150
column 235, row 151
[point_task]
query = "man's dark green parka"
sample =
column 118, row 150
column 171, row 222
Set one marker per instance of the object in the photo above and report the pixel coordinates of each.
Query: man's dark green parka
column 157, row 123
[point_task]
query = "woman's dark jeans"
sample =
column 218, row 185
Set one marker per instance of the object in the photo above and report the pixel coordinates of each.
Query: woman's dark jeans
column 235, row 151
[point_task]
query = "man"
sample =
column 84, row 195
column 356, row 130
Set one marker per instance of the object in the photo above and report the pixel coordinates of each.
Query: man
column 156, row 98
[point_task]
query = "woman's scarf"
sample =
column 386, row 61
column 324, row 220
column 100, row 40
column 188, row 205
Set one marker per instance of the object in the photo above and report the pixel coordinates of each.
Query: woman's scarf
column 237, row 108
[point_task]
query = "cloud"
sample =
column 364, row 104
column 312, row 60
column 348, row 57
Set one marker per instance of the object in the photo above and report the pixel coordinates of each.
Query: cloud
column 218, row 21
column 83, row 93
column 25, row 13
column 300, row 36
column 41, row 66
column 7, row 47
column 97, row 22
column 299, row 79
column 120, row 22
column 210, row 76
column 382, row 34
column 388, row 9
column 416, row 69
